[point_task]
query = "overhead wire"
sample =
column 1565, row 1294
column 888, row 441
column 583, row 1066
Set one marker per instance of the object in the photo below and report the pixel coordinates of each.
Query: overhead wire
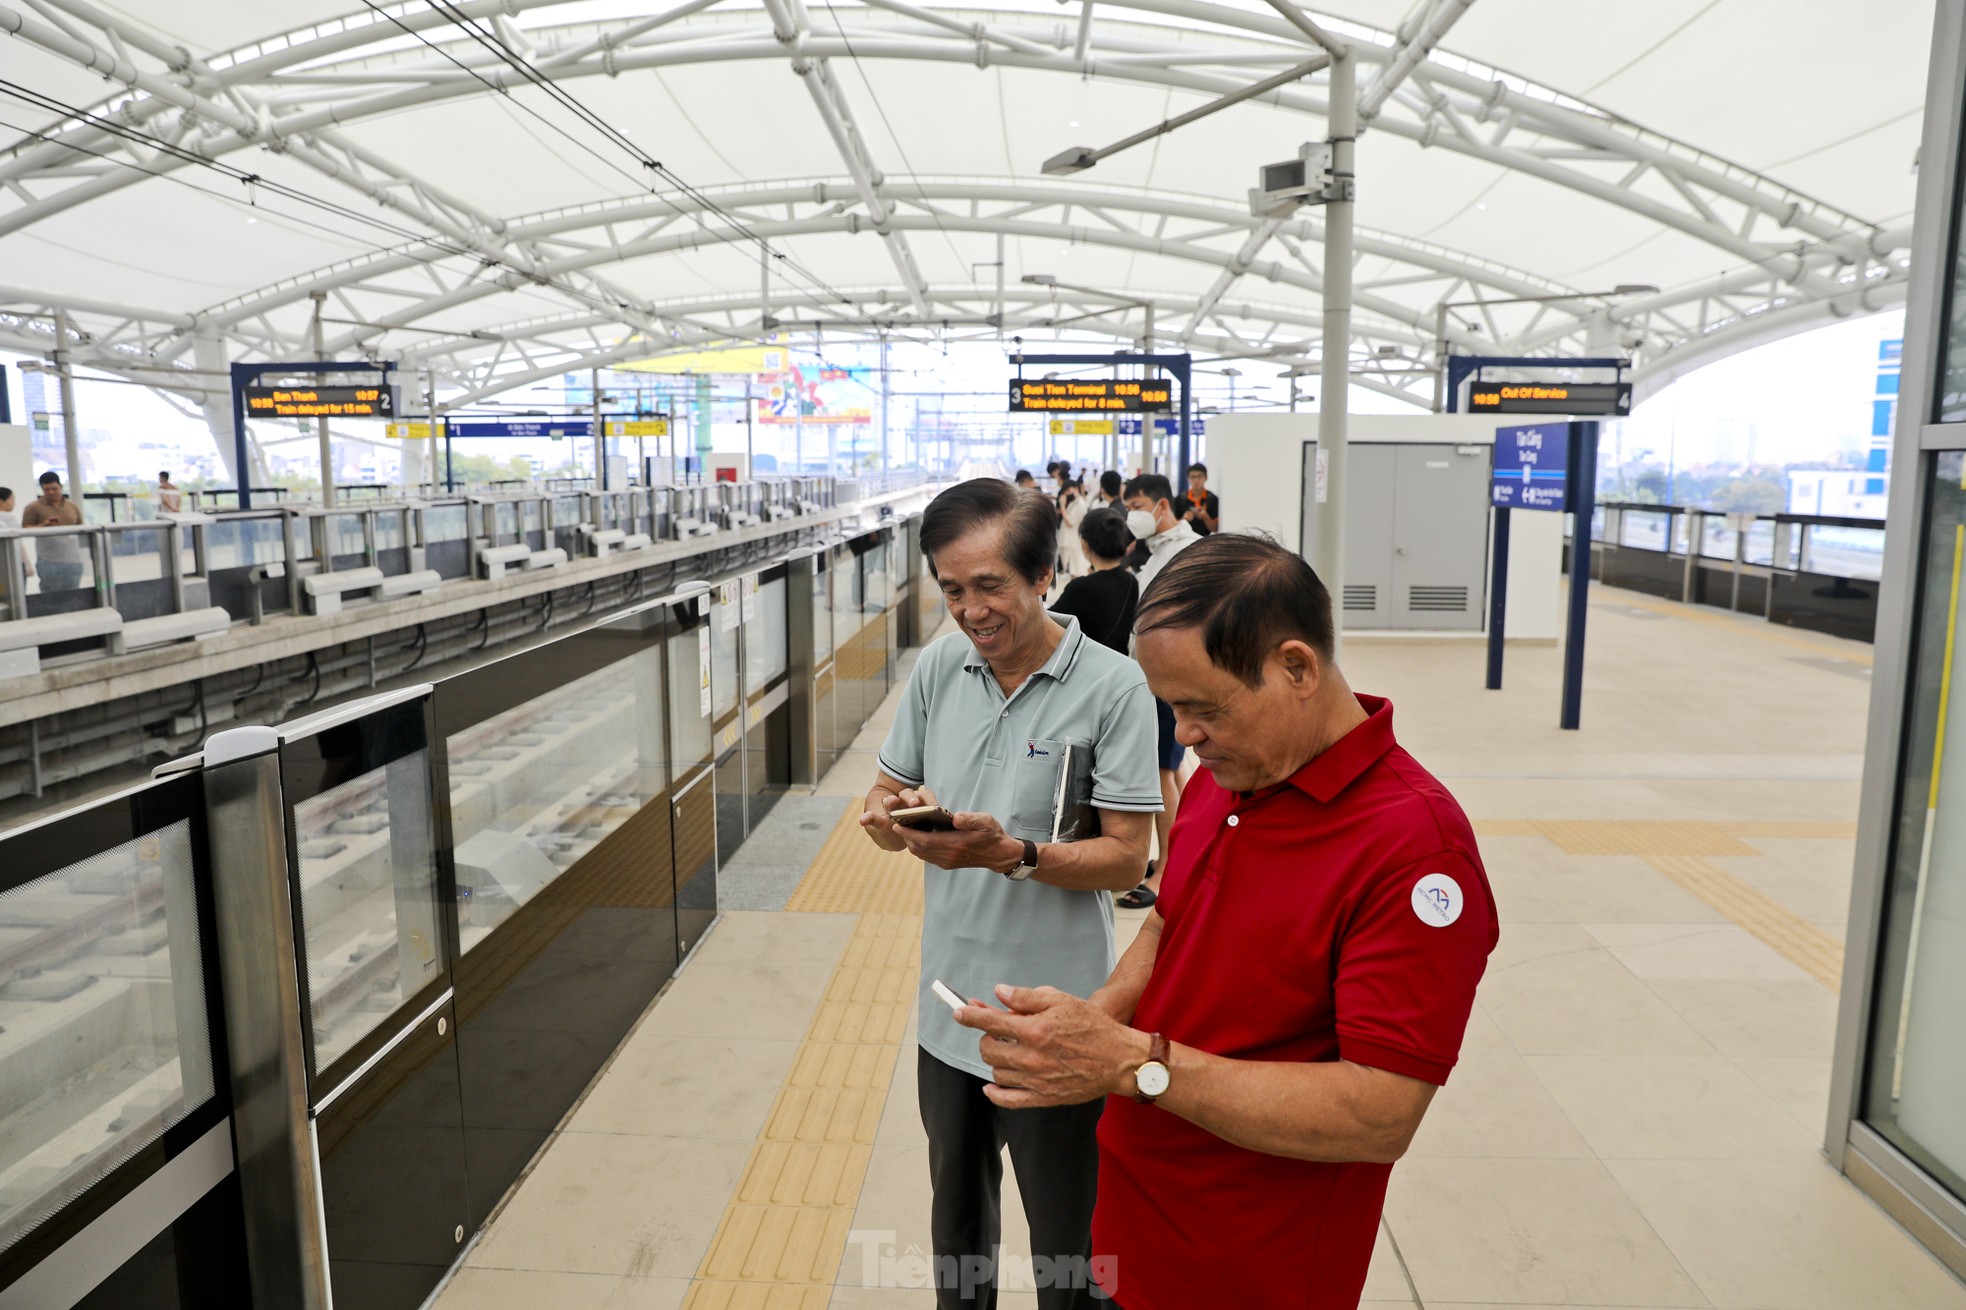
column 252, row 201
column 499, row 50
column 496, row 46
column 255, row 183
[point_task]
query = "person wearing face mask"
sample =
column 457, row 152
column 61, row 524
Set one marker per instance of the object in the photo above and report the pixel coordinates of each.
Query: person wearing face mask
column 1151, row 519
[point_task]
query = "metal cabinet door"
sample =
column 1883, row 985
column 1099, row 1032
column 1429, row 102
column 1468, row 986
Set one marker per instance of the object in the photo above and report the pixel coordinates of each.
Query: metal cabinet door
column 1440, row 547
column 1370, row 510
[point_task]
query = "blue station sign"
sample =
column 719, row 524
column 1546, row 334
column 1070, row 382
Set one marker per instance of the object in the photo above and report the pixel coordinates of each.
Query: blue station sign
column 533, row 427
column 1531, row 467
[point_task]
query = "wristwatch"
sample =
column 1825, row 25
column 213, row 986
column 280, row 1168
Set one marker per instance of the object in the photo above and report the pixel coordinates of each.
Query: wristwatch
column 1150, row 1080
column 1022, row 871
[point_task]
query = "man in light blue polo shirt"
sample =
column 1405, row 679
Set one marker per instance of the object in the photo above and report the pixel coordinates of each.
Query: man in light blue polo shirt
column 982, row 730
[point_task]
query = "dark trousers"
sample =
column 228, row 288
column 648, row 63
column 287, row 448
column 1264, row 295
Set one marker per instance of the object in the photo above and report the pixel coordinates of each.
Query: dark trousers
column 1056, row 1155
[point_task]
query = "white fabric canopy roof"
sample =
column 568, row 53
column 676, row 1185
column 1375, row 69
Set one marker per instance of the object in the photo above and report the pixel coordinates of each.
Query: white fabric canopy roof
column 1754, row 160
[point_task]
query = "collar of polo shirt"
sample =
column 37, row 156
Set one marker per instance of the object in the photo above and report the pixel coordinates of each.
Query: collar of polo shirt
column 1340, row 764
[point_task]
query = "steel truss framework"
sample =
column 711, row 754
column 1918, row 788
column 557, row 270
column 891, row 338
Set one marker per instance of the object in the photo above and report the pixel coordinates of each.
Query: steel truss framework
column 1798, row 261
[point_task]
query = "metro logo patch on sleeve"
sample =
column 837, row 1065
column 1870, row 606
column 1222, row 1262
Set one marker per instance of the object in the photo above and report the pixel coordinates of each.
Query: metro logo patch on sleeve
column 1437, row 900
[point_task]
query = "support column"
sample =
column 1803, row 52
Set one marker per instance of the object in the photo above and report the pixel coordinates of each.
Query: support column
column 321, row 424
column 1335, row 375
column 430, row 412
column 71, row 436
column 600, row 452
column 703, row 437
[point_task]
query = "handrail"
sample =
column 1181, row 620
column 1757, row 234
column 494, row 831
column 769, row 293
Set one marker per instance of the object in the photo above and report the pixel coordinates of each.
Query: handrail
column 1813, row 520
column 1703, row 554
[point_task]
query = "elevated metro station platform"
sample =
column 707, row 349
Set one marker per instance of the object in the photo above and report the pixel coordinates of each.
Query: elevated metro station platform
column 1637, row 1118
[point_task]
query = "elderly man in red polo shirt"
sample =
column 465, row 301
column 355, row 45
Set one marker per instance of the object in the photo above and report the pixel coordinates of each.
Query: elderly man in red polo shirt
column 1277, row 1030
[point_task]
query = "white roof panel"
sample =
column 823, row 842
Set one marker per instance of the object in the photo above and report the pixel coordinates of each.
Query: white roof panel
column 1545, row 146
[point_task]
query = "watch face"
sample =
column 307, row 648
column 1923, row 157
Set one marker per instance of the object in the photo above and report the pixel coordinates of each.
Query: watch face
column 1151, row 1078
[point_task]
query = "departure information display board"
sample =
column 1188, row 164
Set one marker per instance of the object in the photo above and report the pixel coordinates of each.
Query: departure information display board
column 1580, row 398
column 1090, row 395
column 1531, row 467
column 320, row 402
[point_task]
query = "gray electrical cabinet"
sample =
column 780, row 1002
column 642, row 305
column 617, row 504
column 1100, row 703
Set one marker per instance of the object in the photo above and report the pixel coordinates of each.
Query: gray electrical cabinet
column 1416, row 534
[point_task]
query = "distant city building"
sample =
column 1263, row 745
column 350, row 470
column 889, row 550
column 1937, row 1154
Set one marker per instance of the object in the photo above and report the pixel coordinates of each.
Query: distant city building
column 1841, row 493
column 1858, row 493
column 44, row 420
column 1883, row 417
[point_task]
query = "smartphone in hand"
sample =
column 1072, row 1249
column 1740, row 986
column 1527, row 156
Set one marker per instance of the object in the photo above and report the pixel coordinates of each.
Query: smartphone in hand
column 925, row 818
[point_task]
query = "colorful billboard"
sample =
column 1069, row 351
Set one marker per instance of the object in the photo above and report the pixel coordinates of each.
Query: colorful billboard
column 819, row 396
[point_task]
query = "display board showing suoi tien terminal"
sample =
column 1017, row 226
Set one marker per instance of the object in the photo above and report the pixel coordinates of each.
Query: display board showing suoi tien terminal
column 320, row 402
column 1090, row 395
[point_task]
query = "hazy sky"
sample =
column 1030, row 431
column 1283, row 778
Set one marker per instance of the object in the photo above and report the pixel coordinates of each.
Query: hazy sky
column 1804, row 398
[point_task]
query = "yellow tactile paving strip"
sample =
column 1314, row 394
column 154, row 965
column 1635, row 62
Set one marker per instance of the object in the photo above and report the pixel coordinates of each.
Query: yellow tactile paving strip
column 1808, row 947
column 1676, row 850
column 784, row 1231
column 1604, row 835
column 853, row 876
column 779, row 1244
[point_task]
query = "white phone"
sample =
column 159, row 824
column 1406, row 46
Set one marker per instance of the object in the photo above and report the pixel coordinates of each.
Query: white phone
column 949, row 997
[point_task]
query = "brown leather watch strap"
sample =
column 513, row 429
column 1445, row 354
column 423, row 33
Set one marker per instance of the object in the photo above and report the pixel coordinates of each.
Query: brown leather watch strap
column 1157, row 1053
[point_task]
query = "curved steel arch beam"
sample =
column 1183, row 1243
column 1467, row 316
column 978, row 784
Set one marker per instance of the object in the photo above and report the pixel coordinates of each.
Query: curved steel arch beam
column 1377, row 46
column 1037, row 310
column 1515, row 99
column 820, row 194
column 538, row 229
column 1277, row 271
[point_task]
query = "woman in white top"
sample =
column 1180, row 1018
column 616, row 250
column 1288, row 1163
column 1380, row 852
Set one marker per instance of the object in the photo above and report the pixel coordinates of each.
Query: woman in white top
column 1072, row 506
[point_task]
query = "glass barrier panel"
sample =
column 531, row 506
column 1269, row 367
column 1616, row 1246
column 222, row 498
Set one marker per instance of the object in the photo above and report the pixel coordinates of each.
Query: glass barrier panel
column 1844, row 552
column 822, row 612
column 241, row 543
column 689, row 695
column 540, row 786
column 1716, row 538
column 103, row 1040
column 724, row 616
column 880, row 583
column 446, row 523
column 767, row 652
column 846, row 591
column 1761, row 543
column 506, row 518
column 389, row 532
column 1916, row 1065
column 138, row 554
column 368, row 893
column 1645, row 529
column 345, row 534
